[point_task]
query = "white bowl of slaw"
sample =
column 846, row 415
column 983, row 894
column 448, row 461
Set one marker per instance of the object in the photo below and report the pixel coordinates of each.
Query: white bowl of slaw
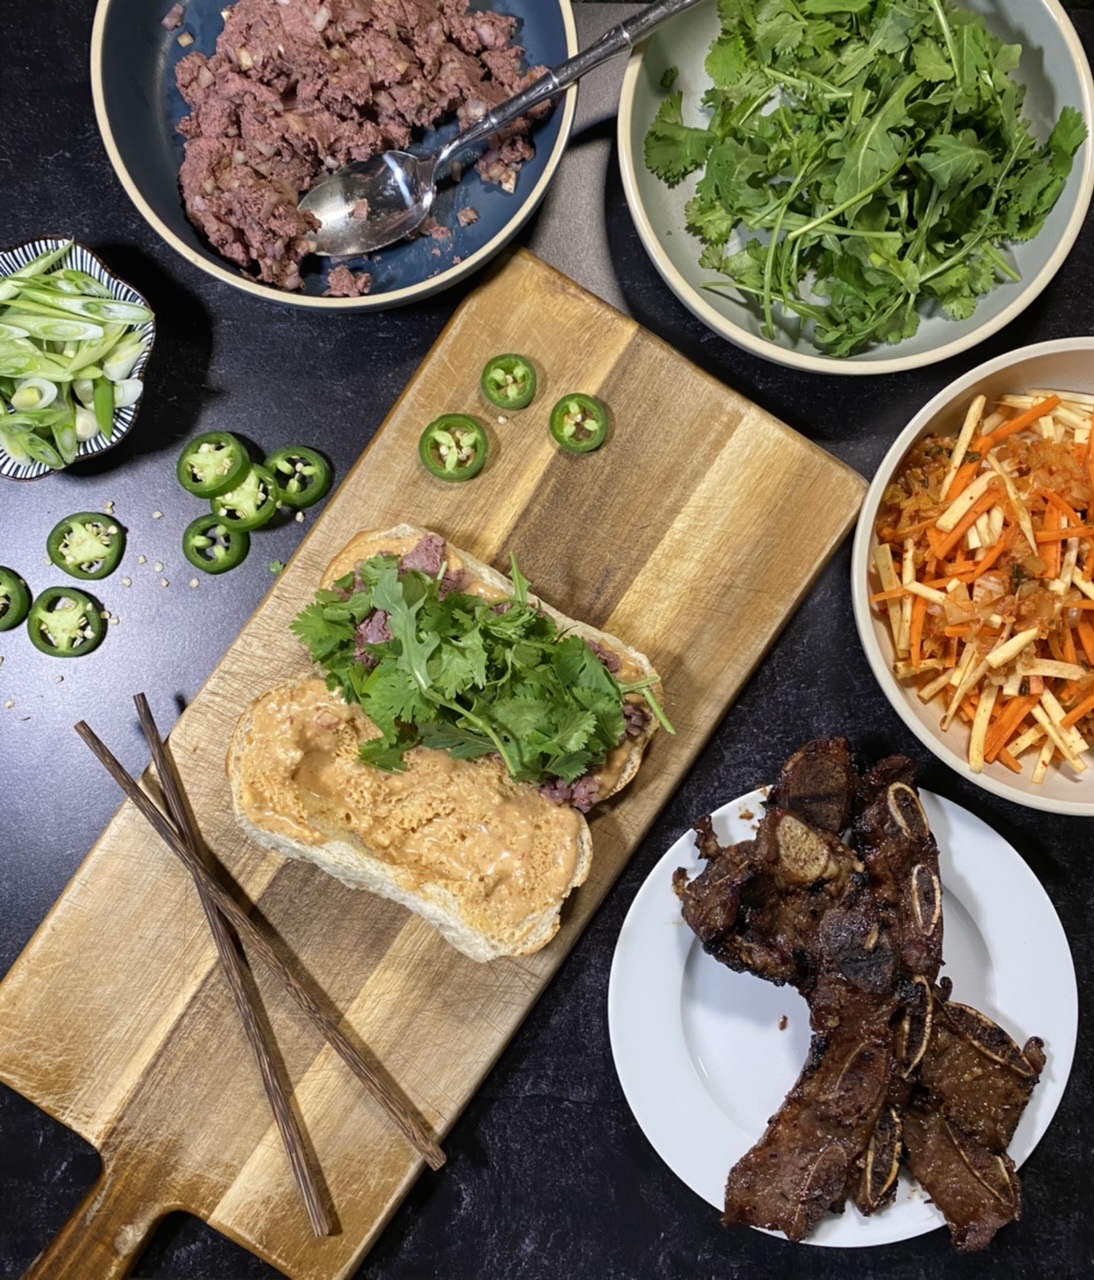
column 1066, row 364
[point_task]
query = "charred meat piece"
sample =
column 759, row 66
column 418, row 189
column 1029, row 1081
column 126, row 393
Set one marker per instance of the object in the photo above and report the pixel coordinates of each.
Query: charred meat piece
column 818, row 784
column 799, row 1169
column 972, row 1086
column 979, row 1076
column 893, row 838
column 891, row 833
column 977, row 1190
column 876, row 1181
column 758, row 906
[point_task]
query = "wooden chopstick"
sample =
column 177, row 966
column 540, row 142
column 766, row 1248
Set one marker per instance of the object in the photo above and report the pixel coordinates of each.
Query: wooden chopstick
column 406, row 1121
column 287, row 1125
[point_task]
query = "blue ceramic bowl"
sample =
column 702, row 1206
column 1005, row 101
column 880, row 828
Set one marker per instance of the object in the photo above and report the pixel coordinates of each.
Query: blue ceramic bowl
column 138, row 107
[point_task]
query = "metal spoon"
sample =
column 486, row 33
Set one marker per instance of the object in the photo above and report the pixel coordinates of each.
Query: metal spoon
column 374, row 202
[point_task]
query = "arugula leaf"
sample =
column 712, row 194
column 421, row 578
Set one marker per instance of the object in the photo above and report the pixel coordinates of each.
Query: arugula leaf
column 930, row 62
column 862, row 158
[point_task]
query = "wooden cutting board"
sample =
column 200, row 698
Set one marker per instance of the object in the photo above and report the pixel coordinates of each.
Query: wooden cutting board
column 693, row 534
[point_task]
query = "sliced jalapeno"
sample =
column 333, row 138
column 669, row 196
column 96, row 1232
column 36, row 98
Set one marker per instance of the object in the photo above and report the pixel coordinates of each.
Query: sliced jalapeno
column 579, row 423
column 65, row 623
column 509, row 381
column 302, row 475
column 209, row 544
column 454, row 447
column 87, row 545
column 14, row 599
column 250, row 503
column 212, row 464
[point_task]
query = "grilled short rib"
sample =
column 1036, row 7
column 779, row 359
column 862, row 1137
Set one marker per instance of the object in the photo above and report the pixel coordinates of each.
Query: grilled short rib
column 970, row 1091
column 893, row 1067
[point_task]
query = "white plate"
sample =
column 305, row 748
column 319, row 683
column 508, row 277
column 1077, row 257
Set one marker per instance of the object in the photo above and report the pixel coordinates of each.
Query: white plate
column 706, row 1055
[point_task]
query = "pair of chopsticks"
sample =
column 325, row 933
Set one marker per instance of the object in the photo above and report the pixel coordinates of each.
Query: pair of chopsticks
column 180, row 833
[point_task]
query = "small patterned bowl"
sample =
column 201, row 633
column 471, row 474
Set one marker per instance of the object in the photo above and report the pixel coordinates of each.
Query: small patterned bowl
column 83, row 259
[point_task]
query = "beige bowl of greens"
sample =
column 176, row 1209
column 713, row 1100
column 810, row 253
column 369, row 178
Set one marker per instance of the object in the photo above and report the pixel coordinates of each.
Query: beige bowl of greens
column 859, row 187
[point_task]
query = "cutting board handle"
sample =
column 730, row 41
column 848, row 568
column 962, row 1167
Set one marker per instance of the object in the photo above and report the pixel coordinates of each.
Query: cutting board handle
column 104, row 1237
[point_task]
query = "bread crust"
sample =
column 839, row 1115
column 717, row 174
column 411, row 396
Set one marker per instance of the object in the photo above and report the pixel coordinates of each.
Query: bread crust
column 343, row 854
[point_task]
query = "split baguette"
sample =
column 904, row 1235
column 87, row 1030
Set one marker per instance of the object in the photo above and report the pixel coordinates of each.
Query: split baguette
column 404, row 836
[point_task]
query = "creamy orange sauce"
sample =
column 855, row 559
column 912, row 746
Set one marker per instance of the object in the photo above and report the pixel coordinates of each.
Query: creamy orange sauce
column 467, row 824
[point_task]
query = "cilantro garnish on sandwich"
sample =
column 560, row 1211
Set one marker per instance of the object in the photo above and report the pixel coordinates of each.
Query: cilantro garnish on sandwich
column 433, row 665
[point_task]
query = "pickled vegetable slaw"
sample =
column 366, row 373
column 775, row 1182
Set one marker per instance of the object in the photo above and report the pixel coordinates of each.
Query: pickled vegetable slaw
column 984, row 560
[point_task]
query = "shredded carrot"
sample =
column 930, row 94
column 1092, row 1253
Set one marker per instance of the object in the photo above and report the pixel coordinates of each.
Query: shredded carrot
column 984, row 503
column 1086, row 639
column 1056, row 535
column 1069, row 646
column 963, row 475
column 958, row 629
column 1077, row 713
column 1004, row 544
column 1064, row 508
column 1020, row 423
column 1004, row 728
column 893, row 594
column 898, row 535
column 1006, row 758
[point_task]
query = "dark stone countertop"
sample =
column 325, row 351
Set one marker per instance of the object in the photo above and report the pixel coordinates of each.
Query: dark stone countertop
column 548, row 1172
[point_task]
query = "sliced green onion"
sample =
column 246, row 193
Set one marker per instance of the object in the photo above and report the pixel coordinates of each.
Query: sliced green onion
column 10, row 285
column 122, row 359
column 12, row 443
column 34, row 393
column 73, row 280
column 127, row 392
column 54, row 328
column 32, row 364
column 66, row 438
column 41, row 451
column 104, row 406
column 92, row 353
column 87, row 424
column 94, row 308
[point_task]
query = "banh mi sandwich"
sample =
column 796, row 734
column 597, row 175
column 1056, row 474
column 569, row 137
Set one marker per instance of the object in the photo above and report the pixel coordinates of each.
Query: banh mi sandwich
column 449, row 752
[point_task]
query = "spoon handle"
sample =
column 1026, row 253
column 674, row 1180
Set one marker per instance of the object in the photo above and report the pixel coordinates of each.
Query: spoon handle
column 614, row 41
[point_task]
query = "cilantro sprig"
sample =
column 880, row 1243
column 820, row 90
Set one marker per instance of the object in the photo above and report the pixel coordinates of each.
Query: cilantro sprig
column 465, row 675
column 865, row 161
